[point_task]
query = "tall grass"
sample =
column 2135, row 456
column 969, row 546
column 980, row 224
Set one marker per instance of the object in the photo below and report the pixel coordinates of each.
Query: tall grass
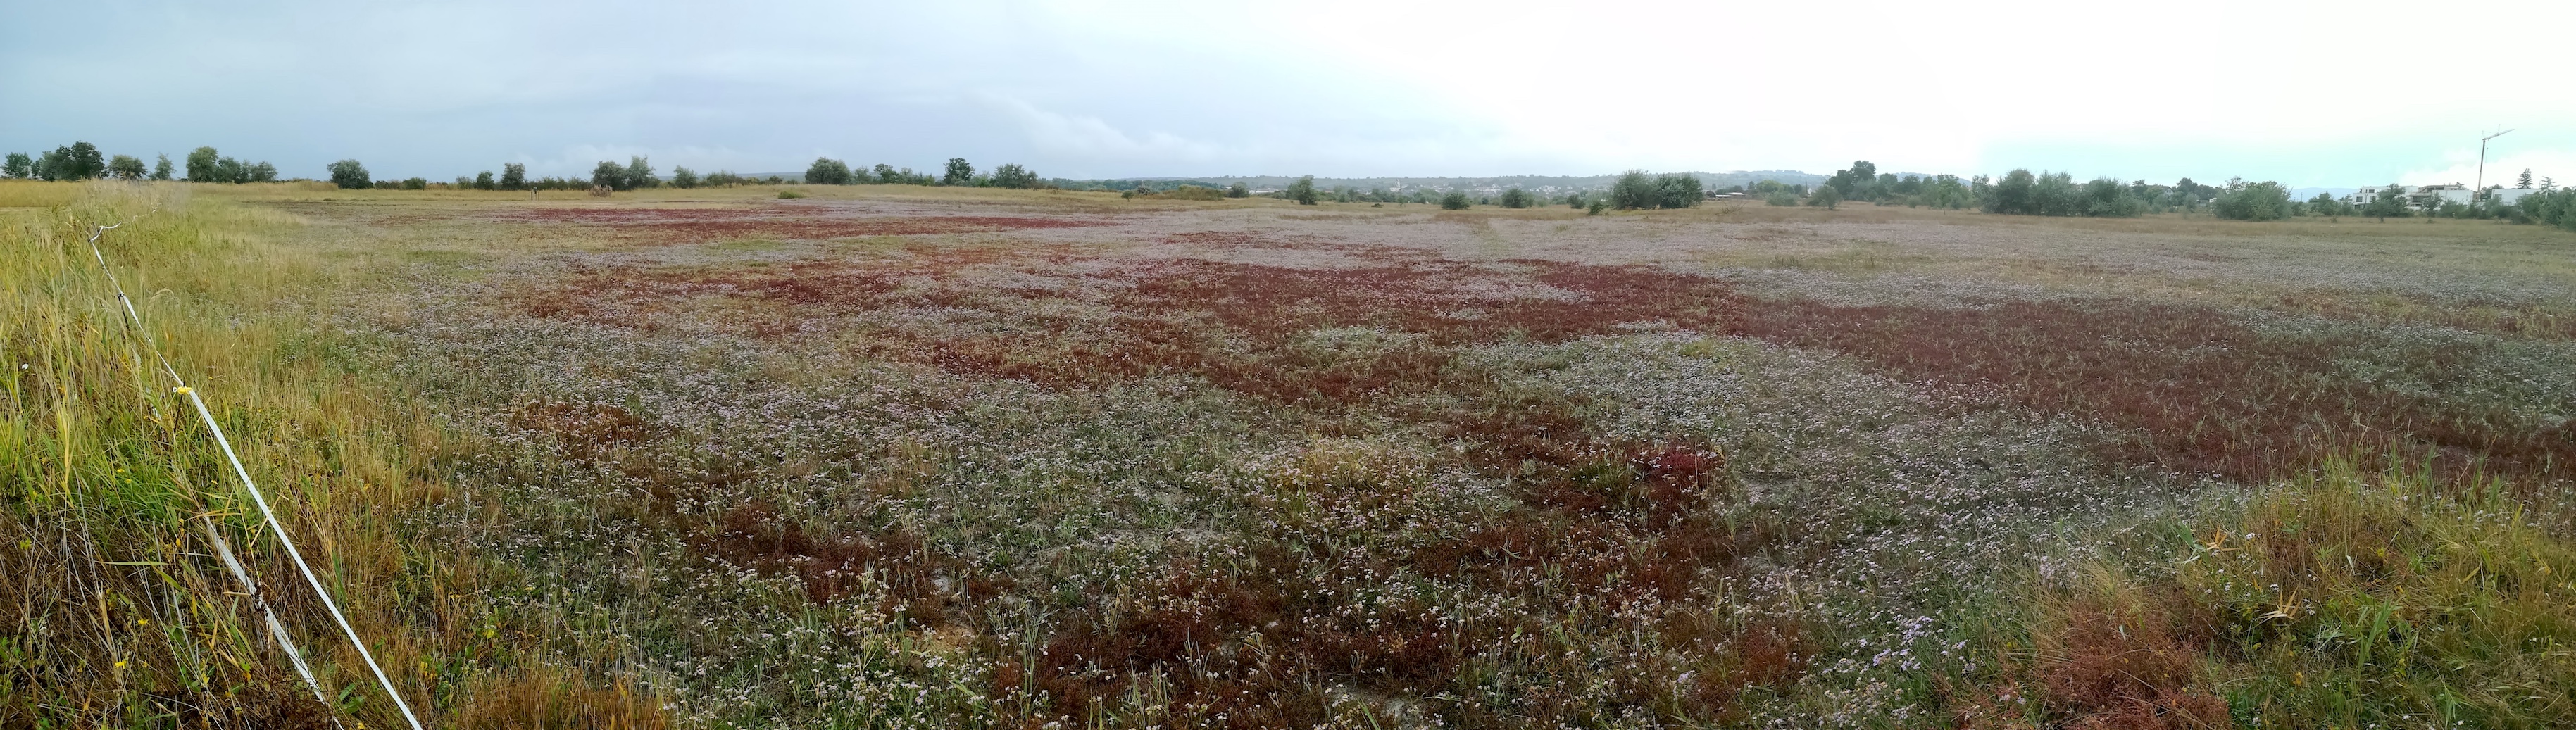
column 2344, row 599
column 114, row 612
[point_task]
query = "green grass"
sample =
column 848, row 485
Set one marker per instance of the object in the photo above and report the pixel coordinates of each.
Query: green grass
column 2346, row 599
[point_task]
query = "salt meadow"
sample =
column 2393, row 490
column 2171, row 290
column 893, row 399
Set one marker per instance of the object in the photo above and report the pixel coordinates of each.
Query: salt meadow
column 958, row 457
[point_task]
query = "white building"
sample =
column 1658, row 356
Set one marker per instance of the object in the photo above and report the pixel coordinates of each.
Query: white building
column 2509, row 196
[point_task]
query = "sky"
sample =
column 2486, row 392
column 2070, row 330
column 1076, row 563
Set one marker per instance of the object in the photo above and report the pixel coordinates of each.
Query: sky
column 2334, row 94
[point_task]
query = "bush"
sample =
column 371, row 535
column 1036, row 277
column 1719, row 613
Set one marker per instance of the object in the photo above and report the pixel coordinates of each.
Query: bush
column 1633, row 190
column 201, row 165
column 684, row 178
column 790, row 194
column 1596, row 206
column 415, row 183
column 1516, row 198
column 2387, row 205
column 483, row 181
column 1012, row 175
column 1189, row 192
column 161, row 168
column 827, row 171
column 1238, row 190
column 2243, row 201
column 2548, row 208
column 639, row 173
column 347, row 174
column 2108, row 198
column 1825, row 196
column 1782, row 198
column 608, row 174
column 19, row 165
column 513, row 176
column 957, row 172
column 1302, row 191
column 1453, row 201
column 75, row 161
column 126, row 167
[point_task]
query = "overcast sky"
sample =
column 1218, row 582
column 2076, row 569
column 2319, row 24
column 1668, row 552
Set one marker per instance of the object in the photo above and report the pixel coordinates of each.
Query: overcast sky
column 2311, row 94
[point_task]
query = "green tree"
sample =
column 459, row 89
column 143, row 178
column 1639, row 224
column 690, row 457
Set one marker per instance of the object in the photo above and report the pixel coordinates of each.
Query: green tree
column 19, row 165
column 1826, row 196
column 1678, row 191
column 483, row 181
column 639, row 173
column 161, row 168
column 1238, row 190
column 2523, row 182
column 1517, row 198
column 2387, row 203
column 126, row 167
column 201, row 164
column 1596, row 206
column 2016, row 194
column 608, row 174
column 347, row 174
column 1303, row 190
column 1453, row 201
column 1855, row 182
column 957, row 172
column 415, row 183
column 1574, row 200
column 886, row 174
column 2243, row 201
column 1012, row 175
column 683, row 178
column 513, row 176
column 263, row 172
column 827, row 171
column 75, row 161
column 1633, row 190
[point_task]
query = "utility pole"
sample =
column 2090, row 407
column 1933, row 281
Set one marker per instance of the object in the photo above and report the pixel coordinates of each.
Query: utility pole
column 2481, row 189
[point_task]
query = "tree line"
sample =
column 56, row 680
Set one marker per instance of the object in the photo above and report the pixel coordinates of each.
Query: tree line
column 84, row 161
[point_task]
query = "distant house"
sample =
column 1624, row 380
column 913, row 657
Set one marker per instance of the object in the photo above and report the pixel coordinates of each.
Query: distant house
column 2417, row 198
column 2370, row 193
column 2509, row 196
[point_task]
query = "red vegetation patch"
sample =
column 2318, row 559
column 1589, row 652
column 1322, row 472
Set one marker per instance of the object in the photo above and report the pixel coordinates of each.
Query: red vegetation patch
column 829, row 567
column 783, row 222
column 2202, row 392
column 2124, row 669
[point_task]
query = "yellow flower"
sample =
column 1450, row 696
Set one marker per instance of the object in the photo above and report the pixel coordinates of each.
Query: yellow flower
column 181, row 390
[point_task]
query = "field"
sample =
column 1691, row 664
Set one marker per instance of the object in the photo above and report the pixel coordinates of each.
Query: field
column 921, row 457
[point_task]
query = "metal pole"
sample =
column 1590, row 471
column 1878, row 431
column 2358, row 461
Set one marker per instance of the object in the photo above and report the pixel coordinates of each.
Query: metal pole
column 2481, row 189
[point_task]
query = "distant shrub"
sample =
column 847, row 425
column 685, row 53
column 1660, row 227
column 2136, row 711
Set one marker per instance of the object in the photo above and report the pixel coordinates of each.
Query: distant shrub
column 347, row 174
column 1781, row 198
column 19, row 165
column 126, row 167
column 483, row 181
column 1596, row 206
column 1454, row 201
column 1634, row 190
column 958, row 172
column 827, row 171
column 682, row 177
column 2108, row 198
column 2243, row 201
column 639, row 173
column 1012, row 175
column 1517, row 198
column 1192, row 192
column 415, row 183
column 513, row 176
column 790, row 194
column 2548, row 208
column 1302, row 191
column 75, row 161
column 608, row 174
column 1827, row 197
column 161, row 168
column 1238, row 190
column 1574, row 200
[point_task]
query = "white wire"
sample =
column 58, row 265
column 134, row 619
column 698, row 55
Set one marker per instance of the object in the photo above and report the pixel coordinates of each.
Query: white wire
column 243, row 472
